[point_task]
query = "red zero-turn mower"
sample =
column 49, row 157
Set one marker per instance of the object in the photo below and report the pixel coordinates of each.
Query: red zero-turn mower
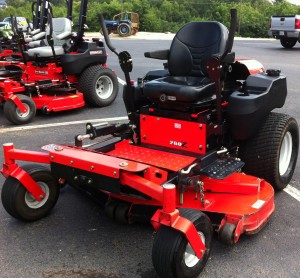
column 190, row 132
column 63, row 75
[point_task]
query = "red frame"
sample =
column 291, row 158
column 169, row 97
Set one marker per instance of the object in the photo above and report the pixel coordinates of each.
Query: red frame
column 242, row 200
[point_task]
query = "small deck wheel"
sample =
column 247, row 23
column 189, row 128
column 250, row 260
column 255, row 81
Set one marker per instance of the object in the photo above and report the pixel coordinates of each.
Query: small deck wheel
column 121, row 213
column 19, row 203
column 15, row 115
column 226, row 233
column 173, row 256
column 110, row 208
column 44, row 110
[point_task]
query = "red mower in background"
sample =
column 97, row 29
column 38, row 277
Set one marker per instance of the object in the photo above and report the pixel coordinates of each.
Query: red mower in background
column 64, row 74
column 202, row 152
column 11, row 46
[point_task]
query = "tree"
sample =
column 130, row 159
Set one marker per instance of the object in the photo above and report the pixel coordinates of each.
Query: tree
column 170, row 15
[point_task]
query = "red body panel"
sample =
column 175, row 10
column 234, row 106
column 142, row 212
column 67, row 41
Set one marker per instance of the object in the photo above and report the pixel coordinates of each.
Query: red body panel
column 253, row 66
column 10, row 53
column 34, row 73
column 175, row 134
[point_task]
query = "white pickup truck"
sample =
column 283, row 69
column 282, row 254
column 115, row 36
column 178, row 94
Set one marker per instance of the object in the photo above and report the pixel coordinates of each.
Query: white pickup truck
column 286, row 29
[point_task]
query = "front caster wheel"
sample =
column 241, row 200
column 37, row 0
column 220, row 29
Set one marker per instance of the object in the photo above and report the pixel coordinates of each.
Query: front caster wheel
column 19, row 203
column 15, row 115
column 173, row 256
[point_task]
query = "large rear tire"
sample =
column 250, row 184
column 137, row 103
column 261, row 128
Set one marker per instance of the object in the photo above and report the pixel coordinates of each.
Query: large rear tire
column 272, row 153
column 15, row 115
column 288, row 43
column 124, row 30
column 99, row 86
column 19, row 203
column 173, row 256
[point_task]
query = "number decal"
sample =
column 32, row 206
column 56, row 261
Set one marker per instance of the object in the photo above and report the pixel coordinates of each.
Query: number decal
column 178, row 144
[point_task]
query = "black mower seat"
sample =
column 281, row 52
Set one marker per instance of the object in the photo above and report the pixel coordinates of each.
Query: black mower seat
column 62, row 30
column 190, row 50
column 180, row 88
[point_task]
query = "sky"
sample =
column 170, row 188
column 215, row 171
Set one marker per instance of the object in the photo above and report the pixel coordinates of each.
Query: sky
column 296, row 2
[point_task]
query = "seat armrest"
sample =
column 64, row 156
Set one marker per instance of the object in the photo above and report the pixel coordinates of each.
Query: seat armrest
column 229, row 57
column 158, row 54
column 63, row 35
column 39, row 36
column 34, row 32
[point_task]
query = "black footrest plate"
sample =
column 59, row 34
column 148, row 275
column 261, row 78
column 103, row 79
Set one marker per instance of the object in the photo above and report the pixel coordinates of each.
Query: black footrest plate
column 220, row 169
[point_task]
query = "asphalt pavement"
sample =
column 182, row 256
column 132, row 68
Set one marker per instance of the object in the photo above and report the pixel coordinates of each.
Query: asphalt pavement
column 78, row 240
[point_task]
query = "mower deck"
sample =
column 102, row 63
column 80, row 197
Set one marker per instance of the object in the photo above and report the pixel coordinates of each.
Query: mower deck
column 246, row 201
column 243, row 200
column 56, row 103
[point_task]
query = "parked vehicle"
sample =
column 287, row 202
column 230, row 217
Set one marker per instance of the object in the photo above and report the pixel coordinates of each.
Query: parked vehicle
column 3, row 4
column 286, row 29
column 22, row 23
column 124, row 24
column 65, row 73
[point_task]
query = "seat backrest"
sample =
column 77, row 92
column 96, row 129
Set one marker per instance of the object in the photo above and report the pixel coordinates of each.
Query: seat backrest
column 193, row 45
column 62, row 29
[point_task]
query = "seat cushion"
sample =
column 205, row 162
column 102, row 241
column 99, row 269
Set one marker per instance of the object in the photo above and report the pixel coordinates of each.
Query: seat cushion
column 45, row 51
column 179, row 88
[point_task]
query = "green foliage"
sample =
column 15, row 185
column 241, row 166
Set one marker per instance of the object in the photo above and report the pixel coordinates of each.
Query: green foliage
column 170, row 15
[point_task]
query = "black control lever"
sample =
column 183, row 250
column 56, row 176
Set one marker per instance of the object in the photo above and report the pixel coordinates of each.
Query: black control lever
column 104, row 129
column 125, row 59
column 232, row 28
column 105, row 34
